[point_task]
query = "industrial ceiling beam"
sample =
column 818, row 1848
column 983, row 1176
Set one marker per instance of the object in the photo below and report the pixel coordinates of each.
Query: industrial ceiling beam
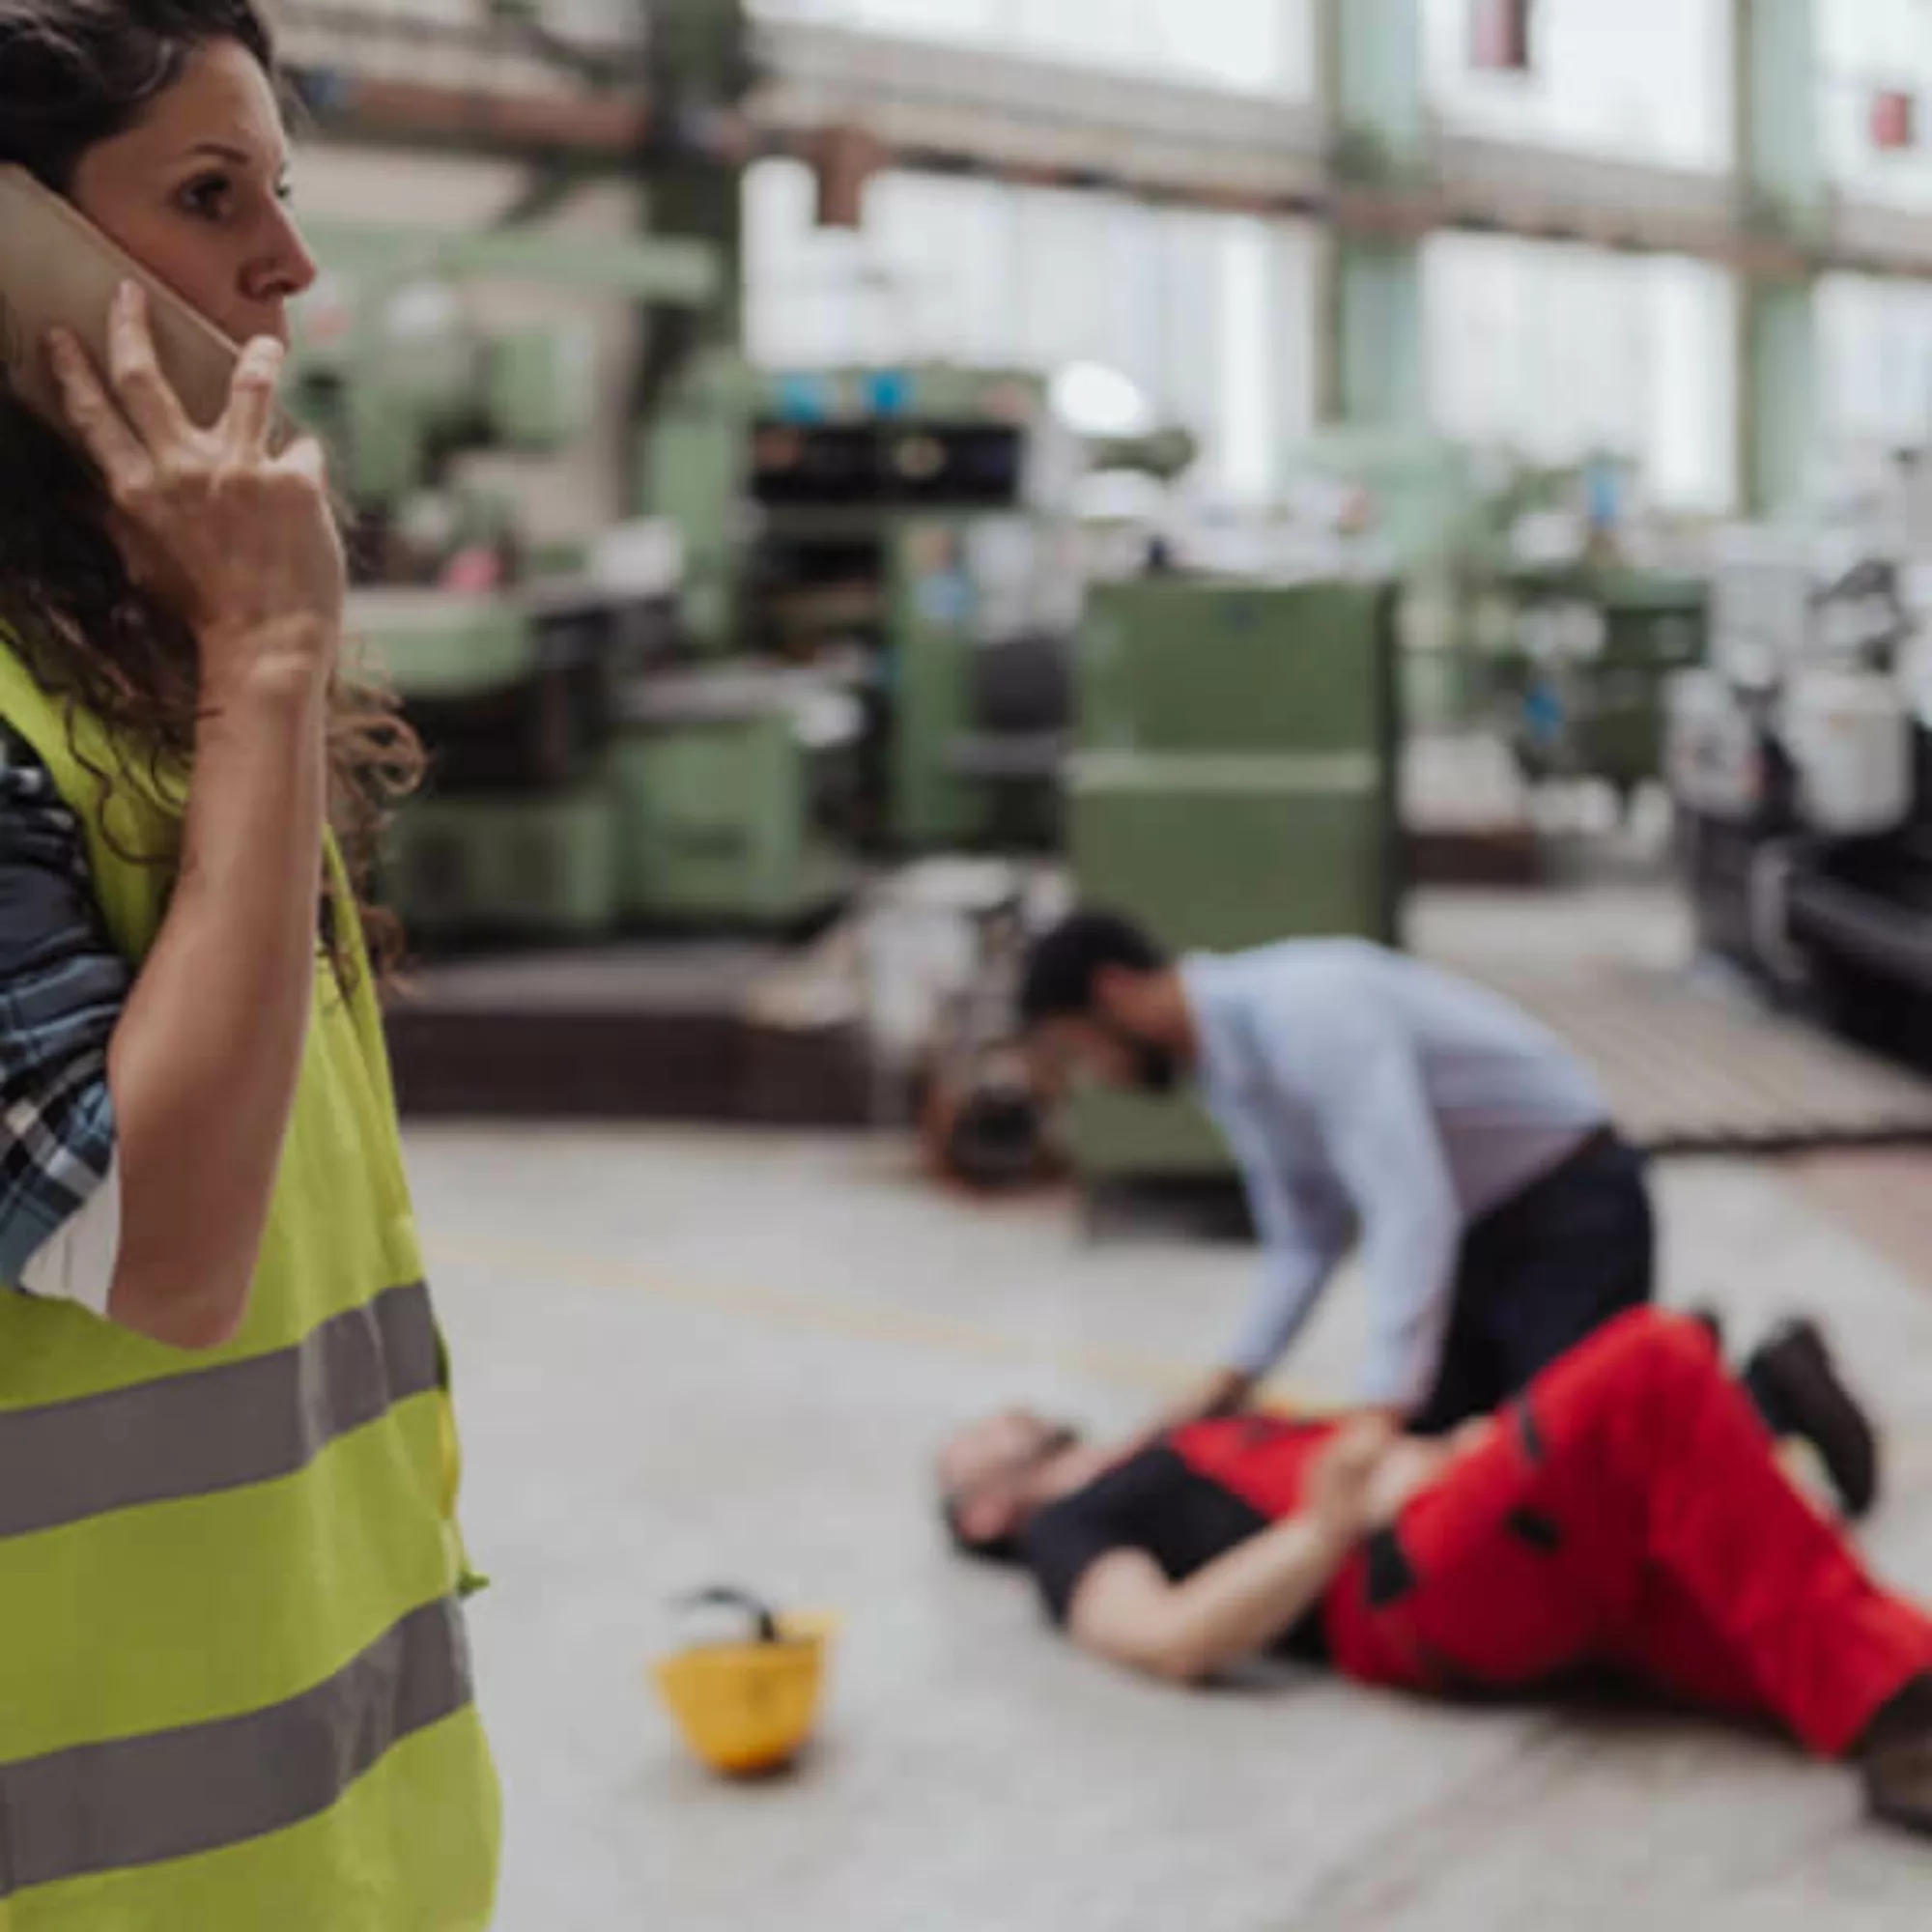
column 1008, row 117
column 603, row 133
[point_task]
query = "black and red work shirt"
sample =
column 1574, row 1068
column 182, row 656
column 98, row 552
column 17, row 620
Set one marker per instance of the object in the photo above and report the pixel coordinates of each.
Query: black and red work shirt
column 1194, row 1496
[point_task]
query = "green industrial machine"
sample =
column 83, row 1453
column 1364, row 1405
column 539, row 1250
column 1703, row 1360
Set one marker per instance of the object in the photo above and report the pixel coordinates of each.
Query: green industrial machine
column 587, row 773
column 515, row 836
column 919, row 516
column 916, row 526
column 397, row 399
column 980, row 694
column 1418, row 506
column 584, row 780
column 903, row 539
column 1449, row 521
column 504, row 867
column 729, row 785
column 393, row 369
column 692, row 463
column 1235, row 784
column 1583, row 689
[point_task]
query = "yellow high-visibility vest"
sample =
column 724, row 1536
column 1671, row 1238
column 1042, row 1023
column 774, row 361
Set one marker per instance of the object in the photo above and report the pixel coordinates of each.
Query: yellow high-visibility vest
column 235, row 1685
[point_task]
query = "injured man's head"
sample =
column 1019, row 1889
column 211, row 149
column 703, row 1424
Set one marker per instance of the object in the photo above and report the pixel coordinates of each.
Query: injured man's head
column 997, row 1474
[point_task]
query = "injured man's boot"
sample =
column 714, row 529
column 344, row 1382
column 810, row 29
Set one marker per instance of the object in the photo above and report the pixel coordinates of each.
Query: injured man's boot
column 1895, row 1755
column 1794, row 1385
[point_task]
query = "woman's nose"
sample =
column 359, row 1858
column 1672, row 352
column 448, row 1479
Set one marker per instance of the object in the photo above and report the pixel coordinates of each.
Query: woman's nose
column 284, row 269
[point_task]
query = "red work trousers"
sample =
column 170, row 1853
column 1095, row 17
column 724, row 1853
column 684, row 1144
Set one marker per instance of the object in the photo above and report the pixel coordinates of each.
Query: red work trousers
column 1629, row 1511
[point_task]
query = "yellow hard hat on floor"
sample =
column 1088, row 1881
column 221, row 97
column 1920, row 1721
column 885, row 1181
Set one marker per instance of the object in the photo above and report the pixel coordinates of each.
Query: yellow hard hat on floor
column 748, row 1707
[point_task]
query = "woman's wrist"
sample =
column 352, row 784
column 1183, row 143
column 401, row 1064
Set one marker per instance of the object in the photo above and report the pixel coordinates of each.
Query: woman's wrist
column 285, row 662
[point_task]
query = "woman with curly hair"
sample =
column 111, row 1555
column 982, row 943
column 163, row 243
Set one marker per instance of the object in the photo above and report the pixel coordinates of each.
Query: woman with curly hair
column 235, row 1689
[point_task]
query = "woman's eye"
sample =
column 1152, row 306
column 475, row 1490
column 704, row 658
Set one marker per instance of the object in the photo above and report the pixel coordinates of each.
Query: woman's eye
column 208, row 197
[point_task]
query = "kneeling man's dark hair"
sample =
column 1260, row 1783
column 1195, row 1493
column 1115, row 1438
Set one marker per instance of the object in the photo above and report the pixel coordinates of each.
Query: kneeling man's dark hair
column 1065, row 962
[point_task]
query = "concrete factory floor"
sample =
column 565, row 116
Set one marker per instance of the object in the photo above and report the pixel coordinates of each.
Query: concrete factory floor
column 687, row 1360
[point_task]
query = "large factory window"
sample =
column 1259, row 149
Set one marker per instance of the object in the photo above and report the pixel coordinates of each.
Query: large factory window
column 1258, row 46
column 935, row 288
column 1641, row 80
column 1559, row 351
column 1208, row 316
column 1875, row 369
column 1873, row 55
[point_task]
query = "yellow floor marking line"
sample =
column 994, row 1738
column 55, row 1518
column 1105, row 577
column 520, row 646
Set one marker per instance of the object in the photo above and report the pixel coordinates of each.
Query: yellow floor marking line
column 808, row 1311
column 846, row 1317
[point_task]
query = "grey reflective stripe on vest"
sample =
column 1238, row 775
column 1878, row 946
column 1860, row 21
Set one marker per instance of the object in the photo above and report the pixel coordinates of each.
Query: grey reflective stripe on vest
column 209, row 1429
column 175, row 1794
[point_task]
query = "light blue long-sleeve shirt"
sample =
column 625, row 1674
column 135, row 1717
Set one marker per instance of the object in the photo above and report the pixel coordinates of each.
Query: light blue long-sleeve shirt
column 1364, row 1092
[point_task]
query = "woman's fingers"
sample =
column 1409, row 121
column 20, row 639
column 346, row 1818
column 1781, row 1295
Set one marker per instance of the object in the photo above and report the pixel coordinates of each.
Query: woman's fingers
column 99, row 424
column 251, row 399
column 145, row 394
column 306, row 458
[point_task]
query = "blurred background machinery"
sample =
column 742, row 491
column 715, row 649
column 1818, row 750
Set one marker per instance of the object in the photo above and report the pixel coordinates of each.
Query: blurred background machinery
column 835, row 480
column 1584, row 685
column 732, row 577
column 590, row 768
column 914, row 526
column 909, row 528
column 1802, row 767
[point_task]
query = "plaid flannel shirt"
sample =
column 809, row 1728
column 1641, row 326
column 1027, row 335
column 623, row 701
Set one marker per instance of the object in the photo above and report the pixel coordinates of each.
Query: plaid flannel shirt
column 61, row 988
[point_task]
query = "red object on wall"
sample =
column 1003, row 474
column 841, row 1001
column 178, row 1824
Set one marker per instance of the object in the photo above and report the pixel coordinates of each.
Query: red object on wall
column 844, row 164
column 1499, row 36
column 1895, row 119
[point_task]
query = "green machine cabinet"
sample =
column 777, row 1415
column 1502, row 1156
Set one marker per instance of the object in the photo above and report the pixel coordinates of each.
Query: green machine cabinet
column 506, row 699
column 931, row 625
column 694, row 472
column 717, row 784
column 966, row 595
column 515, row 835
column 1602, row 715
column 1236, row 784
column 541, row 388
column 460, row 868
column 443, row 644
column 1654, row 628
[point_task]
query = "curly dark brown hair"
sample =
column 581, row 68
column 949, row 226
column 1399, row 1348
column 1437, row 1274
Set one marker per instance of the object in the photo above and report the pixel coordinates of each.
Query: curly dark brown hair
column 73, row 73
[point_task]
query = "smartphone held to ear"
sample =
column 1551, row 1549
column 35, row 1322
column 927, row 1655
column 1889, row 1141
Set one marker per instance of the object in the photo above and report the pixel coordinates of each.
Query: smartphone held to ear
column 58, row 270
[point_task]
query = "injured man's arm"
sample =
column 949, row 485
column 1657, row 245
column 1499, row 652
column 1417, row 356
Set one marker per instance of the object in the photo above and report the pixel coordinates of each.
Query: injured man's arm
column 1192, row 1553
column 1124, row 1608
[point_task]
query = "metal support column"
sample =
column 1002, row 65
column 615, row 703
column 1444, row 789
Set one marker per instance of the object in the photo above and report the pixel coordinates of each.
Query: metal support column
column 1369, row 355
column 1778, row 372
column 686, row 403
column 701, row 65
column 1376, row 350
column 1784, row 200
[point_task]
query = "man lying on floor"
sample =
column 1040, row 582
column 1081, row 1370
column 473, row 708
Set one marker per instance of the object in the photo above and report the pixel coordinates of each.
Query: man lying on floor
column 1628, row 1511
